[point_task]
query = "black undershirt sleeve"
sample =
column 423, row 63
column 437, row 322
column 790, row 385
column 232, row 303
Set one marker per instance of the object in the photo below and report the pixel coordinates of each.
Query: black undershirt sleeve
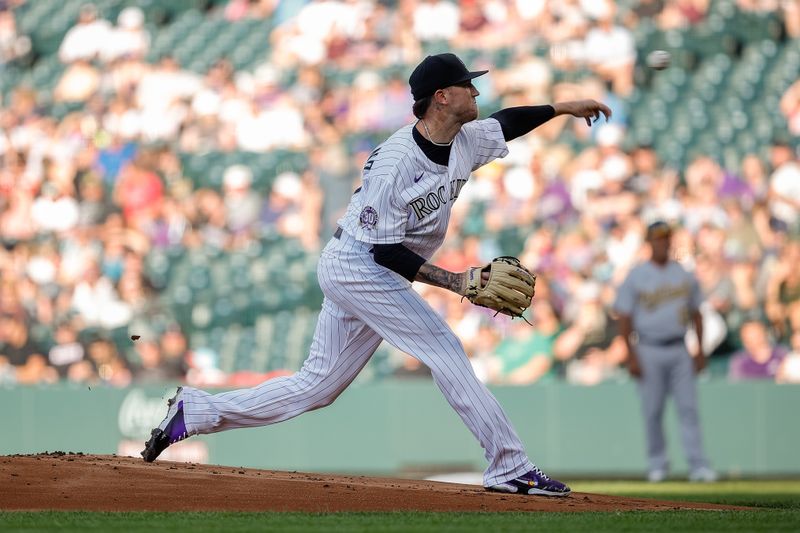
column 517, row 121
column 398, row 258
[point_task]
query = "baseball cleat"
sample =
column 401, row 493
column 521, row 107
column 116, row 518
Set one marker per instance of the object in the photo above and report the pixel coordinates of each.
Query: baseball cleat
column 171, row 430
column 534, row 482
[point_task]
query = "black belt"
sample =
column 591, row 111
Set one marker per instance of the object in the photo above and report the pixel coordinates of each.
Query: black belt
column 672, row 341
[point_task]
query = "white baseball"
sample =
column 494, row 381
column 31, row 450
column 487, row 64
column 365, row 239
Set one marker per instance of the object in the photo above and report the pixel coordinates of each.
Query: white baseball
column 659, row 59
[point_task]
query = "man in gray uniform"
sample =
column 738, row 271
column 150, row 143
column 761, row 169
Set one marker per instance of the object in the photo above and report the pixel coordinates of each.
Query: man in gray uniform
column 656, row 303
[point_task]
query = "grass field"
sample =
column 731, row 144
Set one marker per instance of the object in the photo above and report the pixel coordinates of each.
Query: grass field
column 777, row 506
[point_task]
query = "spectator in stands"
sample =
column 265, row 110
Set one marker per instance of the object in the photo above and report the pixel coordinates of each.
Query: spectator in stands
column 790, row 107
column 242, row 204
column 170, row 227
column 36, row 371
column 175, row 350
column 160, row 91
column 525, row 356
column 704, row 178
column 759, row 358
column 789, row 369
column 564, row 25
column 80, row 81
column 12, row 44
column 716, row 287
column 97, row 302
column 610, row 49
column 92, row 204
column 590, row 348
column 15, row 343
column 208, row 222
column 129, row 38
column 108, row 365
column 279, row 126
column 15, row 220
column 754, row 175
column 481, row 345
column 783, row 289
column 134, row 292
column 139, row 192
column 86, row 40
column 784, row 185
column 741, row 236
column 294, row 207
column 682, row 13
column 791, row 17
column 436, row 20
column 743, row 274
column 112, row 158
column 66, row 350
column 203, row 368
column 82, row 372
column 150, row 367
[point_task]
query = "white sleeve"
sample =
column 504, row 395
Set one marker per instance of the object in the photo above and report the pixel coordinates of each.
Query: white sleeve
column 382, row 215
column 486, row 141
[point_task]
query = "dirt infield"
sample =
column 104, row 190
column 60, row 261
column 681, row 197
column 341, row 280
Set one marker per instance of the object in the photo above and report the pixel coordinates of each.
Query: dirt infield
column 111, row 483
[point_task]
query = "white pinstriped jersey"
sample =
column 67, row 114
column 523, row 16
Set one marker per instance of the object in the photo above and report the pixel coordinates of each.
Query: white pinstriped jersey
column 406, row 198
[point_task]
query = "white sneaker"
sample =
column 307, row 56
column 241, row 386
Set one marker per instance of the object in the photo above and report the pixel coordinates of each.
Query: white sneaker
column 703, row 475
column 657, row 476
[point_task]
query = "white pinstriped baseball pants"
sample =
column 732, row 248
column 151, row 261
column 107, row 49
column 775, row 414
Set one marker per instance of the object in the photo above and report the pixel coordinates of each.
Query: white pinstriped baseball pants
column 363, row 304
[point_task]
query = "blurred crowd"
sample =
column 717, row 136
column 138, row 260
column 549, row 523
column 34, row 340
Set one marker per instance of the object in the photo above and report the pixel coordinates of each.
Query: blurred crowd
column 86, row 196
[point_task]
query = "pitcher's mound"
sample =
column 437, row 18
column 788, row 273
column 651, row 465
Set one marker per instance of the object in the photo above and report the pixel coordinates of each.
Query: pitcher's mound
column 109, row 483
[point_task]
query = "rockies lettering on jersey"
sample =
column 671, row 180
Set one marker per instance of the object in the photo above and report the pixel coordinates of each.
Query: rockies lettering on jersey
column 425, row 205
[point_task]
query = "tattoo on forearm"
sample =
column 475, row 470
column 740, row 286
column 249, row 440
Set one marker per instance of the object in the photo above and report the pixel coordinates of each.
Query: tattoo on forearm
column 439, row 277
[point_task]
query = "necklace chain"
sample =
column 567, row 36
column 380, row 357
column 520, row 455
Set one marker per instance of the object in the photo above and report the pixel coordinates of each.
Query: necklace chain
column 428, row 133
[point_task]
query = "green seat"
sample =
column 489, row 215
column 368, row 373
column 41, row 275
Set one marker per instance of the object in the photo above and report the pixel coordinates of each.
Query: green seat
column 227, row 349
column 199, row 278
column 245, row 350
column 216, row 338
column 202, row 315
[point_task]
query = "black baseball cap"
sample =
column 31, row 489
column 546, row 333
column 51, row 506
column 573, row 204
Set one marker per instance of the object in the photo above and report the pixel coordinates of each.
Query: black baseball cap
column 658, row 229
column 437, row 72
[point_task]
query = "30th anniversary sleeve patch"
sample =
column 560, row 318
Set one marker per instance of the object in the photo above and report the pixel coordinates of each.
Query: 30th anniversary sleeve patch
column 368, row 218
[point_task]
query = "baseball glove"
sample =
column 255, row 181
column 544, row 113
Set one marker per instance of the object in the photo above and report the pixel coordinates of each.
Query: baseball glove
column 509, row 290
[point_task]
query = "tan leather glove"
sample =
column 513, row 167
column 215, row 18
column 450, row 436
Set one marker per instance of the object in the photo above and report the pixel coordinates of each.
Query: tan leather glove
column 509, row 289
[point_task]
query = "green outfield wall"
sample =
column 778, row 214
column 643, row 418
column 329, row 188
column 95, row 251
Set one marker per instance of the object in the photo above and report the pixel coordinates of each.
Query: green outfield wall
column 407, row 428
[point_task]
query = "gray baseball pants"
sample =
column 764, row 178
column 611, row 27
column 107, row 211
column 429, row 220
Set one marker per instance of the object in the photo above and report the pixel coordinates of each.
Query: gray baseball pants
column 669, row 370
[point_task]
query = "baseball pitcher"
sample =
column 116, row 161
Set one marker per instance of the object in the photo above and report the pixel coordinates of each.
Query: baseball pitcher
column 393, row 225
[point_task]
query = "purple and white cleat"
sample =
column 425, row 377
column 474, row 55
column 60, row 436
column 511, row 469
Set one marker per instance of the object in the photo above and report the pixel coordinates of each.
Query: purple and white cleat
column 534, row 482
column 171, row 430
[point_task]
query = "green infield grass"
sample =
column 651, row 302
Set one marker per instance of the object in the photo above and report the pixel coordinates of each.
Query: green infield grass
column 763, row 494
column 776, row 508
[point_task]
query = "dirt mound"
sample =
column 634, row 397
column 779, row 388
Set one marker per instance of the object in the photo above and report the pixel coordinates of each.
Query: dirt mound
column 109, row 483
